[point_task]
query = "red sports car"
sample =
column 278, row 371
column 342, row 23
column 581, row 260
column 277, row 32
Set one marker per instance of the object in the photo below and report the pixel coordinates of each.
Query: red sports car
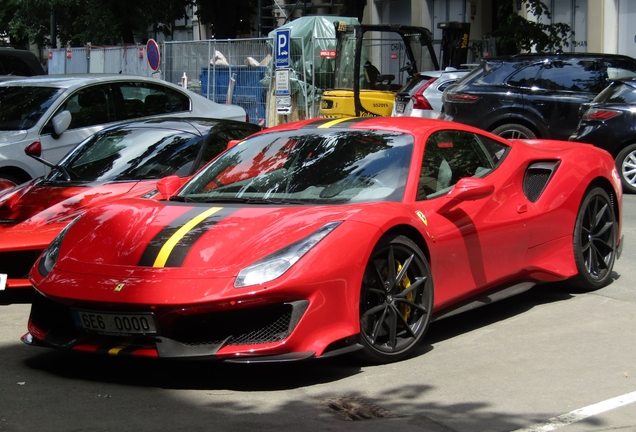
column 326, row 236
column 124, row 160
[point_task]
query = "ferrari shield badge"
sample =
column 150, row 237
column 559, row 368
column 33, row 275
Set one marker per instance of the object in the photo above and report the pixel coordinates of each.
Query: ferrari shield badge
column 421, row 216
column 119, row 287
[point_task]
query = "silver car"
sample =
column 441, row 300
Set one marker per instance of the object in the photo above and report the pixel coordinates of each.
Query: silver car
column 62, row 110
column 422, row 95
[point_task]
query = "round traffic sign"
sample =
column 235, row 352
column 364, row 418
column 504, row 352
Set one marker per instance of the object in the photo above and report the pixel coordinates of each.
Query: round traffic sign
column 153, row 54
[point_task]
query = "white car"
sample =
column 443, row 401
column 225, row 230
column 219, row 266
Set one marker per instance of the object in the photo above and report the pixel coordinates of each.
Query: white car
column 422, row 95
column 60, row 111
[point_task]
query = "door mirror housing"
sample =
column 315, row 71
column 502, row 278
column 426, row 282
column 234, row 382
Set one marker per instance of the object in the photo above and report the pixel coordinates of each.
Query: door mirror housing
column 61, row 122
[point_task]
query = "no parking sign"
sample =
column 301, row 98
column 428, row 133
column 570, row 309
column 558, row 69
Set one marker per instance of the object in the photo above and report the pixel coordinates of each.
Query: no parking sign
column 154, row 57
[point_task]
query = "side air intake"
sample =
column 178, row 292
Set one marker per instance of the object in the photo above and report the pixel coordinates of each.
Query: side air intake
column 537, row 177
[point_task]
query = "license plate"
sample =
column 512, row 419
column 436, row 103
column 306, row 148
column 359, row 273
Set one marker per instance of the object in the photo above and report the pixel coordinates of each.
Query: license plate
column 400, row 107
column 115, row 323
column 3, row 281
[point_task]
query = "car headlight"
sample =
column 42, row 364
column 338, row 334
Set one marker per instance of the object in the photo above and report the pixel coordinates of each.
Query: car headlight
column 52, row 252
column 273, row 266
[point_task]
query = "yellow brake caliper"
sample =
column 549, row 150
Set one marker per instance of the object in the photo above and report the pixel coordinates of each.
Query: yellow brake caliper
column 404, row 284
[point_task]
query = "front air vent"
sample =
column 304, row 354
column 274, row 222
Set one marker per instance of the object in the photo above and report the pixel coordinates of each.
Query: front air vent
column 537, row 177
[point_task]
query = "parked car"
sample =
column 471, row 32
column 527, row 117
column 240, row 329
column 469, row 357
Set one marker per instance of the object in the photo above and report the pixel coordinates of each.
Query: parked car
column 422, row 95
column 321, row 237
column 532, row 95
column 121, row 161
column 609, row 122
column 60, row 111
column 19, row 62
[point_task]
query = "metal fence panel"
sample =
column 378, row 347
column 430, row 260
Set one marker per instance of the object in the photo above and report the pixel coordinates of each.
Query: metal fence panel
column 233, row 71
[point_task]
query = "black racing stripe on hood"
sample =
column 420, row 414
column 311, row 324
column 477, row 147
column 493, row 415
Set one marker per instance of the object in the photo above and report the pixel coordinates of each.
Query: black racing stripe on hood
column 181, row 250
column 318, row 122
column 155, row 245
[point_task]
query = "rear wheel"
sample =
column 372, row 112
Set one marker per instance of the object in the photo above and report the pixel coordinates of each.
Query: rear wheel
column 396, row 300
column 626, row 165
column 595, row 236
column 512, row 131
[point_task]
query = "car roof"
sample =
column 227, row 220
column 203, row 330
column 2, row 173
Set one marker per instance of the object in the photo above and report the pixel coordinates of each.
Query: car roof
column 27, row 60
column 552, row 56
column 405, row 124
column 76, row 80
column 187, row 124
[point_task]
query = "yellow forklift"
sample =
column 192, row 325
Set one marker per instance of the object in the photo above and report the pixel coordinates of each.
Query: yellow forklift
column 362, row 88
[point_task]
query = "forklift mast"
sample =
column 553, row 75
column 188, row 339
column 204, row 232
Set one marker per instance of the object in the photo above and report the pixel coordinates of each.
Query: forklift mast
column 360, row 88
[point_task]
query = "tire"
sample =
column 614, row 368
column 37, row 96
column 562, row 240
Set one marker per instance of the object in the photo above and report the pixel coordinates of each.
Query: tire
column 626, row 165
column 512, row 131
column 594, row 241
column 12, row 179
column 396, row 300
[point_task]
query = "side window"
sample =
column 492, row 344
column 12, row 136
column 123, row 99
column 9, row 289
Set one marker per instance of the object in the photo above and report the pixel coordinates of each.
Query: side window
column 525, row 77
column 452, row 155
column 90, row 106
column 140, row 99
column 575, row 75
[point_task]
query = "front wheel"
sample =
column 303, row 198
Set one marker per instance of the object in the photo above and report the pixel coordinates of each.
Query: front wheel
column 594, row 241
column 512, row 131
column 396, row 300
column 626, row 165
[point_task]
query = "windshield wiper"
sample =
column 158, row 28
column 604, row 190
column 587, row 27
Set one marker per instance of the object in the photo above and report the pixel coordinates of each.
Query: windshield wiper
column 179, row 198
column 277, row 201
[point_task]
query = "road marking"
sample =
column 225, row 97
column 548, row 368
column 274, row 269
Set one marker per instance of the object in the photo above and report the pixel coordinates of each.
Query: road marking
column 582, row 413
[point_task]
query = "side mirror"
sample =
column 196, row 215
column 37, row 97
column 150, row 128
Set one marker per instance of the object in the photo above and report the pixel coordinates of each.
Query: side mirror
column 34, row 150
column 470, row 189
column 467, row 189
column 168, row 186
column 233, row 143
column 61, row 122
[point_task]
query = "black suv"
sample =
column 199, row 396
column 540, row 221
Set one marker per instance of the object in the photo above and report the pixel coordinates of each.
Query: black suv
column 19, row 62
column 532, row 95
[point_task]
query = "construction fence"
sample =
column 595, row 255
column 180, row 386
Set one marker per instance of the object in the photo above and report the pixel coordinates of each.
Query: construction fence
column 237, row 71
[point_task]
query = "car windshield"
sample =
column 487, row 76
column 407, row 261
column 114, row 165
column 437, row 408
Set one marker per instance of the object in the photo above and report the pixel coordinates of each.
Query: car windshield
column 22, row 106
column 130, row 153
column 300, row 166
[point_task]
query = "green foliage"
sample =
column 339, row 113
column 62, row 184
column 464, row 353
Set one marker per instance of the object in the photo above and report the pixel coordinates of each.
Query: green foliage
column 99, row 22
column 527, row 35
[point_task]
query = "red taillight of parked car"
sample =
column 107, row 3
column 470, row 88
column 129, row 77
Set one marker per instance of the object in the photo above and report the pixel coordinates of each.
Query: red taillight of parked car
column 459, row 97
column 600, row 114
column 419, row 101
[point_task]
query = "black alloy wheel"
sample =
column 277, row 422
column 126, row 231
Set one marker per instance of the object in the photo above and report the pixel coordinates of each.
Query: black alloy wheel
column 396, row 300
column 595, row 238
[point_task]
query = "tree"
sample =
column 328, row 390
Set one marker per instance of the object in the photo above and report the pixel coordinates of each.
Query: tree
column 227, row 18
column 527, row 35
column 100, row 22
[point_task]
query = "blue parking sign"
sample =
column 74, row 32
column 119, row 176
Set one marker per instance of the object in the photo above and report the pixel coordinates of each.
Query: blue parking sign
column 283, row 38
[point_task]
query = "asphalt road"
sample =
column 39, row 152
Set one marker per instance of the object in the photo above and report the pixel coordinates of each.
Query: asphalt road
column 545, row 360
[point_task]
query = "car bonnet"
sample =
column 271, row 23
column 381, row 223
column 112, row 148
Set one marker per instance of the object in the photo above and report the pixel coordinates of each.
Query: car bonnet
column 213, row 239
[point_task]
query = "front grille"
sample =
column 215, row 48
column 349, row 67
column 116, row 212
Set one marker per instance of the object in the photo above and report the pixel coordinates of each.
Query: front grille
column 537, row 177
column 18, row 264
column 258, row 325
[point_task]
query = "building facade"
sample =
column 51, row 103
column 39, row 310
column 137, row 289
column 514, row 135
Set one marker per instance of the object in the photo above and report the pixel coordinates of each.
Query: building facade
column 600, row 25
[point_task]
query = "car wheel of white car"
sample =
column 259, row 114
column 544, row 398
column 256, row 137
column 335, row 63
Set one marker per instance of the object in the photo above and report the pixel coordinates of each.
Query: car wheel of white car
column 626, row 165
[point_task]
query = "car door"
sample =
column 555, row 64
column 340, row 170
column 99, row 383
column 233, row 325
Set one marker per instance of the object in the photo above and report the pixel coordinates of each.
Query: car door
column 91, row 108
column 559, row 90
column 474, row 242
